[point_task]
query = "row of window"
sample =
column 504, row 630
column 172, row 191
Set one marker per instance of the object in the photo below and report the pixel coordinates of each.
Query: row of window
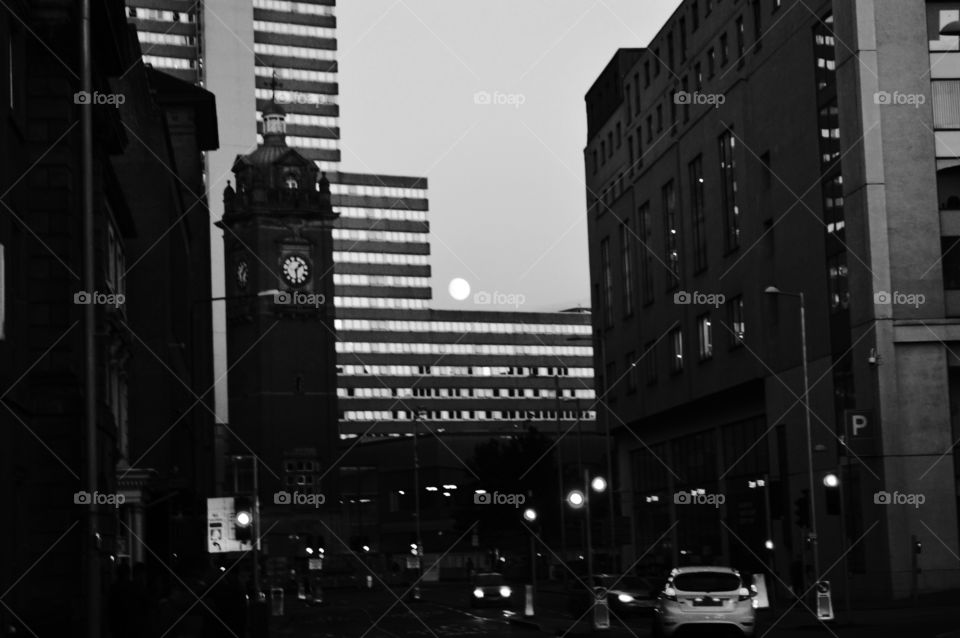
column 462, row 371
column 296, row 97
column 150, row 37
column 393, row 214
column 287, row 28
column 735, row 332
column 671, row 225
column 480, row 327
column 163, row 62
column 287, row 51
column 464, row 348
column 399, row 259
column 380, row 280
column 295, row 141
column 378, row 191
column 477, row 393
column 142, row 13
column 295, row 7
column 380, row 302
column 302, row 75
column 462, row 415
column 299, row 119
column 716, row 58
column 353, row 234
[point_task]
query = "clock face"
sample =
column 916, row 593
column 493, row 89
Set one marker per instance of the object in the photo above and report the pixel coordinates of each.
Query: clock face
column 243, row 272
column 296, row 270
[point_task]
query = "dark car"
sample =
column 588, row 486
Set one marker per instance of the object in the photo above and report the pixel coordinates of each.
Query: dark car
column 490, row 589
column 626, row 595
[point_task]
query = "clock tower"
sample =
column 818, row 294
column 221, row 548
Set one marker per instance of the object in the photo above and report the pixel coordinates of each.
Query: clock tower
column 278, row 254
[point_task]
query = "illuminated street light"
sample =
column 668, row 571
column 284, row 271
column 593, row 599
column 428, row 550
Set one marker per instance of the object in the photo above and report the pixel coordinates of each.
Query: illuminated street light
column 530, row 514
column 831, row 480
column 576, row 499
column 769, row 545
column 599, row 484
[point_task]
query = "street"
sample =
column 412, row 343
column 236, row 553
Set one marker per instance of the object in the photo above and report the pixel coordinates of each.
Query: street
column 444, row 612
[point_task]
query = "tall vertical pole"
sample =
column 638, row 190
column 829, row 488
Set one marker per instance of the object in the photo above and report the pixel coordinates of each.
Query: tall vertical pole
column 92, row 544
column 416, row 502
column 256, row 530
column 814, row 540
column 563, row 522
column 611, row 482
column 586, row 504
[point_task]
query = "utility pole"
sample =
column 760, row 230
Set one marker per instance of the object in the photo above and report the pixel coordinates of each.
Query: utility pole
column 92, row 537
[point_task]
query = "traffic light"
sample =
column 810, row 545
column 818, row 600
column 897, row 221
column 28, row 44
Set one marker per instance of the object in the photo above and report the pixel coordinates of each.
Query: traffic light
column 917, row 546
column 243, row 518
column 832, row 498
column 801, row 510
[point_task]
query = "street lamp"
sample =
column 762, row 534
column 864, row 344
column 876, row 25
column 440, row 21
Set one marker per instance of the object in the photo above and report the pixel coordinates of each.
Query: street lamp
column 530, row 516
column 773, row 290
column 764, row 484
column 578, row 499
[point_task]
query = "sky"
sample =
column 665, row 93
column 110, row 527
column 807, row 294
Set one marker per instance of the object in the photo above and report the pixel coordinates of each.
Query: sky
column 485, row 100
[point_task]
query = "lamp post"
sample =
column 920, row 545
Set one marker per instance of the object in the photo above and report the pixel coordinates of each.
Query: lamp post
column 530, row 516
column 578, row 499
column 773, row 290
column 600, row 346
column 563, row 522
column 416, row 501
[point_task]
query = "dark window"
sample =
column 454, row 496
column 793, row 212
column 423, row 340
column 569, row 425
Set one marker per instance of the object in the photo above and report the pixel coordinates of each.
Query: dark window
column 631, row 372
column 609, row 143
column 626, row 266
column 711, row 62
column 683, row 40
column 950, row 247
column 706, row 582
column 708, row 7
column 647, row 257
column 776, row 5
column 596, row 165
column 757, row 26
column 670, row 58
column 694, row 15
column 728, row 191
column 606, row 282
column 628, row 101
column 736, row 321
column 766, row 176
column 603, row 151
column 838, row 282
column 636, row 97
column 657, row 62
column 724, row 50
column 698, row 214
column 646, row 74
column 676, row 350
column 705, row 337
column 671, row 229
column 639, row 150
column 649, row 129
column 650, row 359
column 698, row 76
column 619, row 135
column 741, row 41
column 659, row 118
column 630, row 147
column 685, row 87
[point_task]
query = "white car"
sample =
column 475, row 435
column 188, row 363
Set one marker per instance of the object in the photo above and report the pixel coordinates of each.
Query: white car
column 704, row 596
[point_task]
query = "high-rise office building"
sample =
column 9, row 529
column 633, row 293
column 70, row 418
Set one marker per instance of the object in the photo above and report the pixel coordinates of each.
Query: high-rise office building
column 751, row 153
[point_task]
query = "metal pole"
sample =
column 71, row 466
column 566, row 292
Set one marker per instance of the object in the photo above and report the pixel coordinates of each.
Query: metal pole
column 416, row 501
column 614, row 555
column 576, row 402
column 256, row 530
column 563, row 523
column 533, row 562
column 814, row 540
column 586, row 504
column 845, row 538
column 89, row 324
column 766, row 515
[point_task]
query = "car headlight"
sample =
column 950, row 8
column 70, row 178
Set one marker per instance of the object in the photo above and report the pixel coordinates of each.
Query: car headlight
column 505, row 592
column 625, row 598
column 478, row 593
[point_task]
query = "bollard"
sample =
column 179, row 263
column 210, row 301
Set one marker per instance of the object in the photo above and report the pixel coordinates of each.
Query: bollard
column 369, row 581
column 528, row 606
column 276, row 601
column 601, row 609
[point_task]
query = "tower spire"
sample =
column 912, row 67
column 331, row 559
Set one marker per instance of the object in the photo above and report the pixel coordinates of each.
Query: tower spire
column 274, row 117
